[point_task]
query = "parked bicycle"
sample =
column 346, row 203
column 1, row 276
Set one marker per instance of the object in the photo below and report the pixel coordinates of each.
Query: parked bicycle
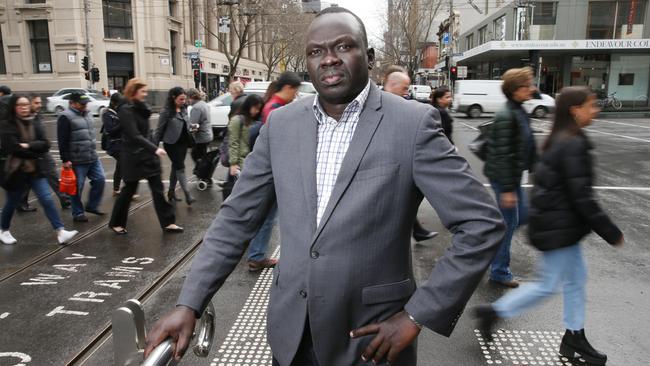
column 611, row 101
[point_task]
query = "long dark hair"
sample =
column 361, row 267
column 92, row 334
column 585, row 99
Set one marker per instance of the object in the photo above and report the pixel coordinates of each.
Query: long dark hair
column 171, row 98
column 250, row 101
column 564, row 124
column 116, row 100
column 437, row 94
column 10, row 113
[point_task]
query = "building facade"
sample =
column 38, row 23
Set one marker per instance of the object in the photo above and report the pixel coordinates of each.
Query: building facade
column 43, row 43
column 601, row 44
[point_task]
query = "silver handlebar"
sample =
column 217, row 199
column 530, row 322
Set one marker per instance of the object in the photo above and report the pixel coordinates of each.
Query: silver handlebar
column 129, row 337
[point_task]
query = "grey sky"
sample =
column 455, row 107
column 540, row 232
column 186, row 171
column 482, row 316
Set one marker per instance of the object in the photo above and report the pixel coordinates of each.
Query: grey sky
column 372, row 12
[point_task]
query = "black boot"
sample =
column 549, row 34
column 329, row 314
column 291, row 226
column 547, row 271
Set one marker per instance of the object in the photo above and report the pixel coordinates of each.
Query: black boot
column 487, row 318
column 575, row 345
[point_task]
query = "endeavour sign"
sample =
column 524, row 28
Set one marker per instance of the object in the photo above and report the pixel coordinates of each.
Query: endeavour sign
column 575, row 44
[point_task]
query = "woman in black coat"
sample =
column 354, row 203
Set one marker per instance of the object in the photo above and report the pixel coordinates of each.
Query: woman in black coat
column 441, row 100
column 563, row 211
column 112, row 138
column 175, row 132
column 24, row 147
column 139, row 160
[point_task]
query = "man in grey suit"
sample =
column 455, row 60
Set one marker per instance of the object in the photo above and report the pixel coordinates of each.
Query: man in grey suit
column 348, row 169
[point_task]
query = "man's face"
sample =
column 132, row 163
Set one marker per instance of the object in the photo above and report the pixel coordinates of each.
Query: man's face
column 337, row 59
column 37, row 104
column 78, row 106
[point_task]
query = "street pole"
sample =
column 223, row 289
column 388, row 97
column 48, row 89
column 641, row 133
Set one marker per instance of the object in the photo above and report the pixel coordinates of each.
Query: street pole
column 451, row 45
column 86, row 11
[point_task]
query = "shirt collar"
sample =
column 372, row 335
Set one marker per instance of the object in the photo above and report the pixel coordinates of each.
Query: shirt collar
column 358, row 102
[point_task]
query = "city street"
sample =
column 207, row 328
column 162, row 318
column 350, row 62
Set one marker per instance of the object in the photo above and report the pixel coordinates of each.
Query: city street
column 57, row 300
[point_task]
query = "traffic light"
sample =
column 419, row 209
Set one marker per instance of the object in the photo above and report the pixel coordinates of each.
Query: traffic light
column 84, row 63
column 447, row 64
column 197, row 77
column 94, row 73
column 454, row 72
column 87, row 75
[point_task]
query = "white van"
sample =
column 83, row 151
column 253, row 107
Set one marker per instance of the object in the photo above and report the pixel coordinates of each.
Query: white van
column 475, row 97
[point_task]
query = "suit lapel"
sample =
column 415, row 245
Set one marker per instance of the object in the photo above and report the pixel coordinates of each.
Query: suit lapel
column 365, row 130
column 308, row 141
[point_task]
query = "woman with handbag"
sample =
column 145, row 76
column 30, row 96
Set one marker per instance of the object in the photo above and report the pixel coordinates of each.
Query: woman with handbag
column 175, row 131
column 236, row 144
column 24, row 144
column 563, row 211
column 140, row 159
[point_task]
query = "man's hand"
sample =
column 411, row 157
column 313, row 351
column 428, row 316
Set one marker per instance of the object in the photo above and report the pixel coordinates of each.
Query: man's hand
column 234, row 170
column 392, row 336
column 178, row 324
column 67, row 164
column 508, row 200
column 161, row 152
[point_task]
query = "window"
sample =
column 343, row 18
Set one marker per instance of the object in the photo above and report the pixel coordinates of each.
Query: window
column 500, row 28
column 172, row 8
column 35, row 2
column 117, row 19
column 3, row 66
column 173, row 50
column 616, row 19
column 482, row 35
column 39, row 37
column 543, row 18
column 469, row 42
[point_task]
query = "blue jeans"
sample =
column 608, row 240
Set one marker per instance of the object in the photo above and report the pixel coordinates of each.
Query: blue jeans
column 42, row 190
column 95, row 172
column 560, row 267
column 260, row 243
column 514, row 217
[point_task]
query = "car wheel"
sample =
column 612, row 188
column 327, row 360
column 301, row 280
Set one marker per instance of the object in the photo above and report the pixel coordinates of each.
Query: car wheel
column 58, row 109
column 540, row 112
column 474, row 111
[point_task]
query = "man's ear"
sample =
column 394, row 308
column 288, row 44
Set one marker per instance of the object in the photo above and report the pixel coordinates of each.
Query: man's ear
column 371, row 58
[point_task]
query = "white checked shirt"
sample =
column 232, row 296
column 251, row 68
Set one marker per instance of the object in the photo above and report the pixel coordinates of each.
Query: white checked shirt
column 333, row 142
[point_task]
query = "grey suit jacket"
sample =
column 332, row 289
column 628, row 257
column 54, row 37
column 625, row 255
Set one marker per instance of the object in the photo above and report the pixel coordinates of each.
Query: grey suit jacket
column 355, row 268
column 170, row 126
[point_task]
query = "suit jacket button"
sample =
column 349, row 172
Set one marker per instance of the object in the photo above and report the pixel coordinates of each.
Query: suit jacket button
column 315, row 254
column 303, row 294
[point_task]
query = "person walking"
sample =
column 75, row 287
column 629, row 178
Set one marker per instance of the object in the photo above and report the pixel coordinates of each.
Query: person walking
column 51, row 173
column 140, row 159
column 397, row 82
column 441, row 100
column 77, row 146
column 112, row 130
column 174, row 131
column 201, row 127
column 348, row 169
column 563, row 211
column 511, row 152
column 236, row 90
column 24, row 144
column 285, row 90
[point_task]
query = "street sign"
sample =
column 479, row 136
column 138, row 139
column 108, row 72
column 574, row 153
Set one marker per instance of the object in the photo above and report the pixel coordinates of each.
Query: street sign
column 462, row 72
column 445, row 38
column 224, row 25
column 198, row 43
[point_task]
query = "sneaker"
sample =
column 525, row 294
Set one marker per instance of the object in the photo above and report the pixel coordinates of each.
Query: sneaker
column 254, row 266
column 64, row 235
column 7, row 238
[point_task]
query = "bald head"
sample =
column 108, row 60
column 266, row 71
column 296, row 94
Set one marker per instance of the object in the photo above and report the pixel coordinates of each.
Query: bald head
column 397, row 83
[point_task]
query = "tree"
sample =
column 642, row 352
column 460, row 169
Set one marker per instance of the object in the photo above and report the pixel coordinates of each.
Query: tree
column 409, row 26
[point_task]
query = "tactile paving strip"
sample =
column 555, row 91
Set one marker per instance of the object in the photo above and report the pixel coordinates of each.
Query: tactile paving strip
column 521, row 347
column 246, row 344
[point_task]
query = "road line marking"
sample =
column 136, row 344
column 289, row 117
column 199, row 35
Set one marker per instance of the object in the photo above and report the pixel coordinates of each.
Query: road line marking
column 604, row 188
column 4, row 315
column 604, row 133
column 620, row 123
column 466, row 125
column 246, row 342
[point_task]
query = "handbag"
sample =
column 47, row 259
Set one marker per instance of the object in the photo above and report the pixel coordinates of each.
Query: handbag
column 479, row 145
column 68, row 182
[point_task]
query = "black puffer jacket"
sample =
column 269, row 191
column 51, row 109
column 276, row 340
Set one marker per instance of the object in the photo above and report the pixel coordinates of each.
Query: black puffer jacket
column 508, row 150
column 563, row 208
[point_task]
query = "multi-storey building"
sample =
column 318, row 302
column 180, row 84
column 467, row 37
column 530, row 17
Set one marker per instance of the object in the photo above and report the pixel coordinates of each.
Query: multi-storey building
column 601, row 44
column 42, row 43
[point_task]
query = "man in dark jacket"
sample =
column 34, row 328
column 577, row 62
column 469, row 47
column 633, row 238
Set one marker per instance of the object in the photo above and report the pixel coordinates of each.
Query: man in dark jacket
column 51, row 172
column 77, row 144
column 511, row 152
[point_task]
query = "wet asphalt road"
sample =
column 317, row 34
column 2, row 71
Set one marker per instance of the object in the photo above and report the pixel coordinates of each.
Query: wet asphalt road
column 619, row 281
